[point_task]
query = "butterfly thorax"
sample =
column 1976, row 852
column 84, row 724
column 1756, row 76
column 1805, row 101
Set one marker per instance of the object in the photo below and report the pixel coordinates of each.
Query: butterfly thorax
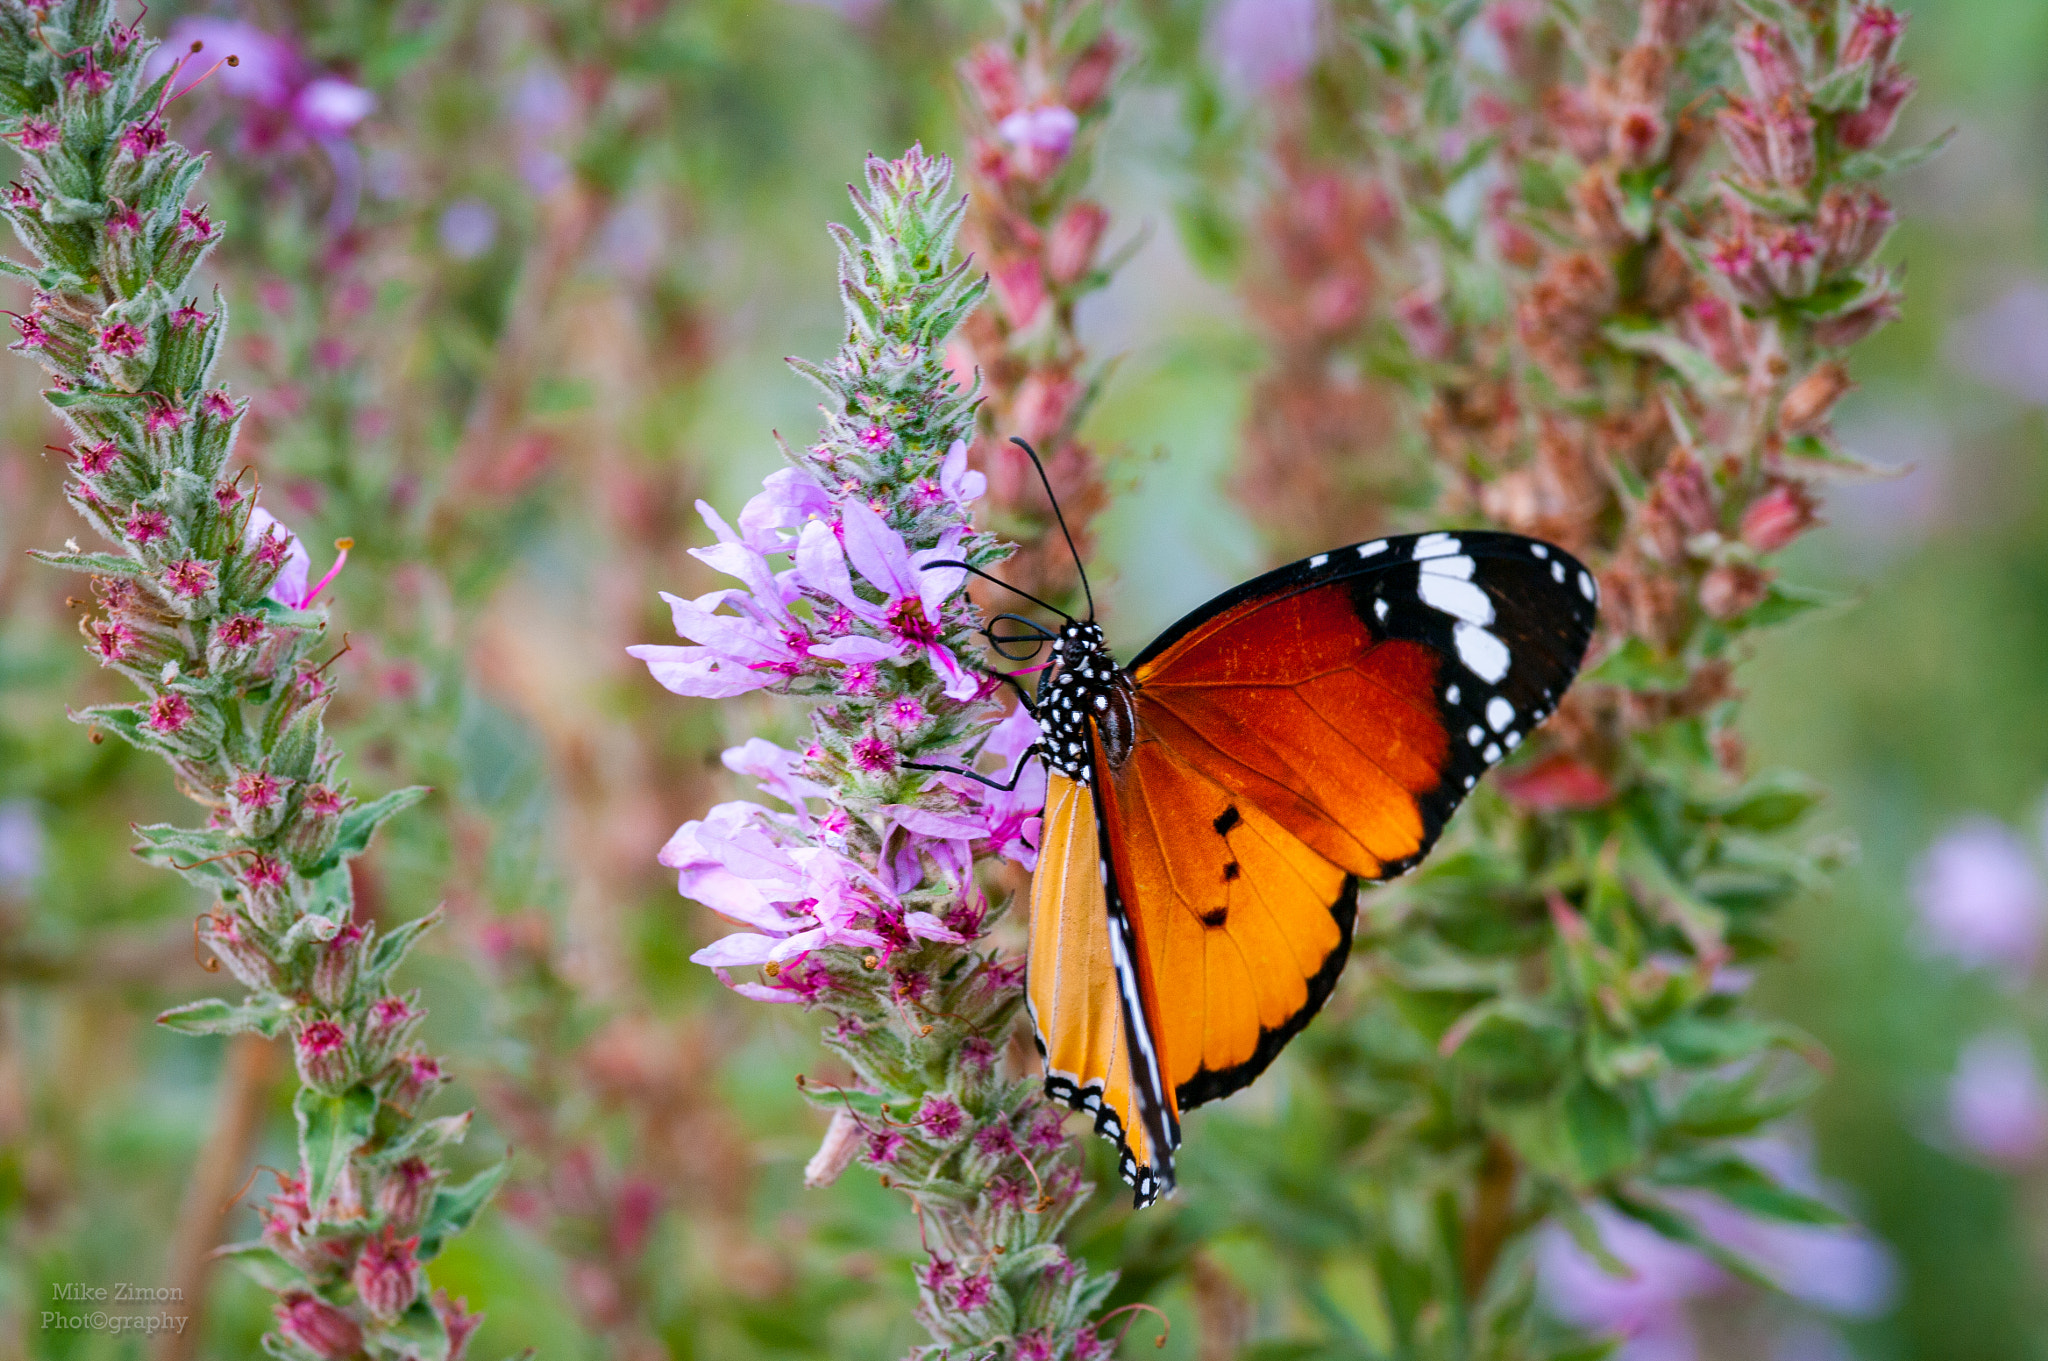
column 1084, row 684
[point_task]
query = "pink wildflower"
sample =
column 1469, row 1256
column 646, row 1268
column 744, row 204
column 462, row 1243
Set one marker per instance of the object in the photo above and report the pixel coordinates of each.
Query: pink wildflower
column 387, row 1274
column 95, row 459
column 321, row 1048
column 874, row 755
column 163, row 416
column 37, row 134
column 169, row 713
column 876, row 437
column 189, row 577
column 123, row 339
column 319, row 1327
column 941, row 1118
column 256, row 789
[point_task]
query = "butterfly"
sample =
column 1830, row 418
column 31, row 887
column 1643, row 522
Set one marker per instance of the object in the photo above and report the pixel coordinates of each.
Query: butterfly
column 1212, row 809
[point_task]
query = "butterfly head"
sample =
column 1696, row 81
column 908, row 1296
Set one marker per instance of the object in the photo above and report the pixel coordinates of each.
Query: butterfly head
column 1085, row 698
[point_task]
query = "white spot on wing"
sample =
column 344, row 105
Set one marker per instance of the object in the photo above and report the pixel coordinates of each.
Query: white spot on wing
column 1319, row 559
column 1492, row 752
column 1366, row 550
column 1475, row 735
column 1451, row 695
column 1459, row 567
column 1586, row 585
column 1513, row 740
column 1557, row 572
column 1459, row 599
column 1539, row 550
column 1484, row 655
column 1434, row 546
column 1499, row 713
column 1379, row 608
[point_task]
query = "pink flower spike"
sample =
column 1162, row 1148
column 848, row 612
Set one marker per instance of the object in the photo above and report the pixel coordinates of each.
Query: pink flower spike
column 1048, row 129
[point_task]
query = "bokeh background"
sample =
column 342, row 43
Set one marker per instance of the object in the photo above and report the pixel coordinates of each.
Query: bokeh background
column 586, row 235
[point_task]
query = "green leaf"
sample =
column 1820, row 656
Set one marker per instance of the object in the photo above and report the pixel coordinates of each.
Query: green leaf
column 1726, row 1107
column 1601, row 1131
column 428, row 1135
column 1679, row 1229
column 393, row 946
column 1689, row 362
column 106, row 564
column 455, row 1207
column 1783, row 603
column 420, row 1329
column 1845, row 91
column 1745, row 1186
column 270, row 1270
column 1874, row 165
column 331, row 1129
column 359, row 824
column 1636, row 666
column 1768, row 804
column 260, row 1015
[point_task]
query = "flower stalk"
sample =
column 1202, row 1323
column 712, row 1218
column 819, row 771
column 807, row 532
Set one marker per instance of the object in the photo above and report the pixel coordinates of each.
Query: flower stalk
column 205, row 605
column 1036, row 97
column 861, row 900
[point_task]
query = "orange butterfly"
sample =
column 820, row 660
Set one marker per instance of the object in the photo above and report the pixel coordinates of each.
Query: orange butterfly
column 1211, row 810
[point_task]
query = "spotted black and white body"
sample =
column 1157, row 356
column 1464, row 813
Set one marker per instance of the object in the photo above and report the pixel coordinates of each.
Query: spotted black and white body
column 1083, row 684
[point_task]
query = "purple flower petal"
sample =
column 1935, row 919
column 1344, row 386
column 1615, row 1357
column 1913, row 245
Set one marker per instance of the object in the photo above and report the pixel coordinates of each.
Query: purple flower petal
column 925, row 926
column 740, row 950
column 1981, row 898
column 1049, row 128
column 788, row 498
column 1997, row 1108
column 699, row 671
column 960, row 482
column 330, row 106
column 290, row 586
column 878, row 552
column 1261, row 45
column 857, row 648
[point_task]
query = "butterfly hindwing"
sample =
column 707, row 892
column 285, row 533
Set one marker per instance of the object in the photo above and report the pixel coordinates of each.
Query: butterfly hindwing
column 1086, row 993
column 1243, row 928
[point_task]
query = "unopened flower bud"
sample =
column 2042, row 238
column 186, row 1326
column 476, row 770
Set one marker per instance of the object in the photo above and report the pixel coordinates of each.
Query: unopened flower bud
column 1731, row 589
column 322, row 1050
column 387, row 1025
column 1873, row 35
column 311, row 834
column 1867, row 128
column 414, row 1078
column 334, row 973
column 403, row 1195
column 1812, row 397
column 260, row 801
column 320, row 1328
column 1852, row 225
column 844, row 1139
column 1070, row 253
column 457, row 1321
column 995, row 81
column 1769, row 64
column 1846, row 328
column 1788, row 143
column 228, row 936
column 1020, row 286
column 1088, row 79
column 1778, row 517
column 387, row 1274
column 1639, row 135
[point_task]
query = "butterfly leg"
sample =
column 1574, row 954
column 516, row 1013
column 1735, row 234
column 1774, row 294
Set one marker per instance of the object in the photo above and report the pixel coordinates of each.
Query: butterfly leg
column 979, row 778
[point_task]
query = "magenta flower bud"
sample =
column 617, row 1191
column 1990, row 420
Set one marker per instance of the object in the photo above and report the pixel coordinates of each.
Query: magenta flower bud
column 322, row 1050
column 111, row 642
column 993, row 77
column 1768, row 63
column 973, row 1292
column 164, row 416
column 1867, row 128
column 142, row 139
column 634, row 1211
column 147, row 526
column 1777, row 517
column 334, row 974
column 842, row 1141
column 227, row 935
column 386, row 1026
column 216, row 405
column 37, row 134
column 1852, row 225
column 403, row 1195
column 456, row 1321
column 1070, row 253
column 415, row 1078
column 95, row 459
column 1639, row 136
column 240, row 631
column 320, row 1328
column 123, row 222
column 1793, row 263
column 188, row 315
column 22, row 197
column 258, row 798
column 1846, row 328
column 874, row 756
column 1789, row 144
column 941, row 1118
column 195, row 223
column 189, row 578
column 884, row 1145
column 311, row 834
column 170, row 713
column 387, row 1274
column 1873, row 36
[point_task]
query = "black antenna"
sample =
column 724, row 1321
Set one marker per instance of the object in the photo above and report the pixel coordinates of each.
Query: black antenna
column 1063, row 526
column 970, row 567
